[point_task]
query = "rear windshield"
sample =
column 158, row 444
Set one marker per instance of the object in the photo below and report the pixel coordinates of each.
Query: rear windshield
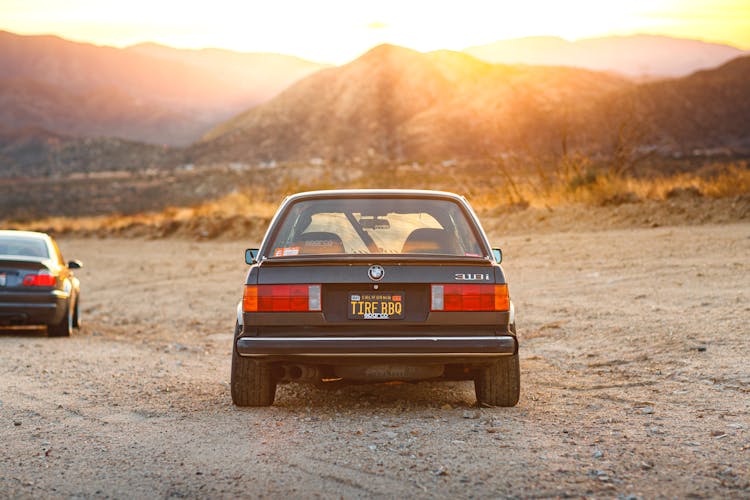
column 375, row 226
column 23, row 247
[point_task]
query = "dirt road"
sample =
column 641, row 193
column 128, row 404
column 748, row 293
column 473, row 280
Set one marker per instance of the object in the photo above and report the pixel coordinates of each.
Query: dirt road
column 635, row 383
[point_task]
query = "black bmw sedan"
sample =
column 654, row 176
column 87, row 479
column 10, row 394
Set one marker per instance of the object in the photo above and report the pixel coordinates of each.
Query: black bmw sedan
column 37, row 287
column 375, row 285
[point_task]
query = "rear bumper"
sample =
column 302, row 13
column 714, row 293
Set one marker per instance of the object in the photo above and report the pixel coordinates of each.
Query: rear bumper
column 378, row 347
column 32, row 308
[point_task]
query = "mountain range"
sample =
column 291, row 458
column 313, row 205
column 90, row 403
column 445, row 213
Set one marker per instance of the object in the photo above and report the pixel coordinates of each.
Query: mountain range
column 146, row 93
column 395, row 104
column 259, row 75
column 66, row 105
column 635, row 56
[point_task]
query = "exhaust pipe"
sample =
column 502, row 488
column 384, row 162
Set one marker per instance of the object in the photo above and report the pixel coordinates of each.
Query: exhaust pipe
column 301, row 372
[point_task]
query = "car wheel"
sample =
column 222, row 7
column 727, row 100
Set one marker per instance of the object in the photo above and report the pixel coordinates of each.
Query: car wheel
column 252, row 382
column 77, row 314
column 500, row 383
column 65, row 327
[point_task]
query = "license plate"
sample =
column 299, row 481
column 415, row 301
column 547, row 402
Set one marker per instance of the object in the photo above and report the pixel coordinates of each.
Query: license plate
column 376, row 305
column 3, row 279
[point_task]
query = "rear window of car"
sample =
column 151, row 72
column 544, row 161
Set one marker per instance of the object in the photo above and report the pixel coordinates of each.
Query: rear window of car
column 23, row 247
column 375, row 226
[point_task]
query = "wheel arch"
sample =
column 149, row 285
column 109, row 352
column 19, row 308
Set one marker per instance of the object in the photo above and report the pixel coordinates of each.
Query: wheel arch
column 239, row 313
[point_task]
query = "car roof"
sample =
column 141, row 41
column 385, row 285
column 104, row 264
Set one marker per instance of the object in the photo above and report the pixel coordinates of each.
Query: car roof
column 375, row 193
column 24, row 234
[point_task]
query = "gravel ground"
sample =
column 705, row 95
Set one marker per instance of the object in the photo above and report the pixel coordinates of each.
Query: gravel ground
column 635, row 383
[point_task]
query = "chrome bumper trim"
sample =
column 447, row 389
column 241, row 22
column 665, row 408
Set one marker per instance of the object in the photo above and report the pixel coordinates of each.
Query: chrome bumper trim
column 485, row 346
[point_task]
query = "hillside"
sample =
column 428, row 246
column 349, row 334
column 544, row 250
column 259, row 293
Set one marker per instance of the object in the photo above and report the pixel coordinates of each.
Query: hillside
column 637, row 56
column 394, row 103
column 146, row 94
column 705, row 113
column 99, row 112
column 35, row 152
column 266, row 74
column 81, row 67
column 398, row 104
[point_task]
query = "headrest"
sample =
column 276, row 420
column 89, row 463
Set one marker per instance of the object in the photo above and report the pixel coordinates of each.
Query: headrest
column 431, row 240
column 319, row 242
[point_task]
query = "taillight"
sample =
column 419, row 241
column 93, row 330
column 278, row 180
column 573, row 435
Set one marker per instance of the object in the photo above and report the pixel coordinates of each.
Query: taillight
column 42, row 278
column 455, row 297
column 281, row 298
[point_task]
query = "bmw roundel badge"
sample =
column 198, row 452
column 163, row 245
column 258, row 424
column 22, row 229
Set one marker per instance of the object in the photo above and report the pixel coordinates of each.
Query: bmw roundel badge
column 376, row 273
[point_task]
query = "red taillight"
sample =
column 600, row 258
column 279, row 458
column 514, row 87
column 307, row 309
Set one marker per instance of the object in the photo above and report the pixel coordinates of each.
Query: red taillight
column 281, row 298
column 39, row 279
column 455, row 297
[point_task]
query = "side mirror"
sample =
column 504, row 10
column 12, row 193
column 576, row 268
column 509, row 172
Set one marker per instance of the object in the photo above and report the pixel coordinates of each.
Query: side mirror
column 251, row 256
column 75, row 264
column 498, row 254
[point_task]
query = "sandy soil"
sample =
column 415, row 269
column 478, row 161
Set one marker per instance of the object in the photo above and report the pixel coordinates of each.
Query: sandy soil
column 635, row 383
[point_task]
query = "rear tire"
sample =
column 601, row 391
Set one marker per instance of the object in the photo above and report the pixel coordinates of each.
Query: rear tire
column 500, row 383
column 252, row 382
column 77, row 314
column 65, row 327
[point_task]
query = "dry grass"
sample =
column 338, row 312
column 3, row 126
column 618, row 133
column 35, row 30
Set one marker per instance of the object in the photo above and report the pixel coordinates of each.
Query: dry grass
column 575, row 183
column 591, row 188
column 240, row 203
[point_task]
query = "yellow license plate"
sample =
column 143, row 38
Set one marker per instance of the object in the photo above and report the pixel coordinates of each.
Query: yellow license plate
column 376, row 305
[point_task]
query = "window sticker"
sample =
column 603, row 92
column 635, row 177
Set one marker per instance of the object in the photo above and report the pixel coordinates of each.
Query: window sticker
column 286, row 251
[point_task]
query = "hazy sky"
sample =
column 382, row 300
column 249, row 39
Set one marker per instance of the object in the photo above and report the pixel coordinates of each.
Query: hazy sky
column 339, row 30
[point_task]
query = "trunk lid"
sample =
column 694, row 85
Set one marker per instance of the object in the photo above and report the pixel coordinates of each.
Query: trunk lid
column 13, row 270
column 407, row 281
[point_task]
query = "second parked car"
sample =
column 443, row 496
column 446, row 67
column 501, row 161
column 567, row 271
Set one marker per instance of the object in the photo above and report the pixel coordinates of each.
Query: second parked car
column 37, row 286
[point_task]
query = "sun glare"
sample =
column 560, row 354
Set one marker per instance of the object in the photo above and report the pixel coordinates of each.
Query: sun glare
column 339, row 30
